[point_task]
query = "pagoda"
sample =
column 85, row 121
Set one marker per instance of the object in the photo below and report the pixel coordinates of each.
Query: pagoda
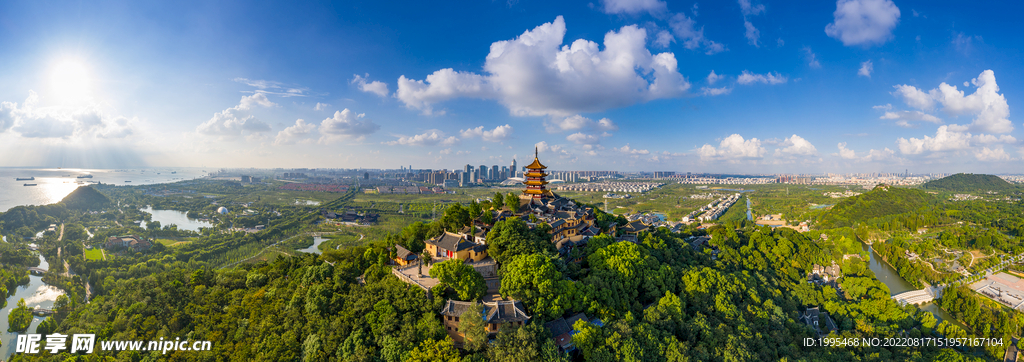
column 534, row 179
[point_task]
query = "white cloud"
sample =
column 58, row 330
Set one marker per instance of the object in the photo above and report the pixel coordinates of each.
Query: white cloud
column 715, row 91
column 499, row 133
column 865, row 69
column 577, row 122
column 321, row 106
column 583, row 139
column 863, row 22
column 712, row 77
column 299, row 131
column 903, row 118
column 987, row 105
column 944, row 140
column 987, row 139
column 812, row 59
column 884, row 154
column 31, row 121
column 376, row 87
column 256, row 99
column 846, row 153
column 733, row 147
column 664, row 39
column 686, row 30
column 429, row 138
column 237, row 120
column 543, row 146
column 534, row 74
column 633, row 7
column 346, row 124
column 751, row 33
column 769, row 78
column 992, row 154
column 631, row 151
column 272, row 87
column 796, row 146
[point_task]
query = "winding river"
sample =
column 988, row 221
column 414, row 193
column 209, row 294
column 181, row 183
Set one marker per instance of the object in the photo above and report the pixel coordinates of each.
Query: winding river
column 36, row 294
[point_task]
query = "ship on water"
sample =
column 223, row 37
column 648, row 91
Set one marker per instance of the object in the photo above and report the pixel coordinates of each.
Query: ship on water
column 25, row 178
column 30, row 184
column 85, row 176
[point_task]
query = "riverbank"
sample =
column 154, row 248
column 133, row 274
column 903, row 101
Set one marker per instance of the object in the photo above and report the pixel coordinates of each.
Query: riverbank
column 37, row 294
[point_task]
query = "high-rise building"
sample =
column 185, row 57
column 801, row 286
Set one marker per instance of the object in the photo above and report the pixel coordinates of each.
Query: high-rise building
column 514, row 170
column 468, row 168
column 494, row 173
column 483, row 172
column 504, row 173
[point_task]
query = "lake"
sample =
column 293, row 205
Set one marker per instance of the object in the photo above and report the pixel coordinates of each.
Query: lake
column 315, row 249
column 167, row 217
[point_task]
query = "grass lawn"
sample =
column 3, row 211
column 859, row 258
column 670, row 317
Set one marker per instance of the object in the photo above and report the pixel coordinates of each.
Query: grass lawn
column 93, row 254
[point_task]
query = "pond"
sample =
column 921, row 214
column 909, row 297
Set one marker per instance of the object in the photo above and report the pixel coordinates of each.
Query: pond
column 315, row 249
column 307, row 202
column 36, row 294
column 167, row 217
column 888, row 275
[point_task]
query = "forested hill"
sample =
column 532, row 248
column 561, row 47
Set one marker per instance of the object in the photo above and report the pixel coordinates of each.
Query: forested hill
column 967, row 182
column 85, row 197
column 880, row 202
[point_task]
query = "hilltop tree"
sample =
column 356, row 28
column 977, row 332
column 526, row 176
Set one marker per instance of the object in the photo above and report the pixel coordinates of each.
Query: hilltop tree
column 466, row 281
column 512, row 237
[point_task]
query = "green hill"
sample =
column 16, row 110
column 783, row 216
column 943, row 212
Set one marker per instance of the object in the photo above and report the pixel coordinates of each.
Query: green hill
column 85, row 197
column 967, row 182
column 882, row 201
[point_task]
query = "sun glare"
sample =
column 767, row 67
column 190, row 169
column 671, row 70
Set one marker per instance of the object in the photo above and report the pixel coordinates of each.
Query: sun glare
column 70, row 80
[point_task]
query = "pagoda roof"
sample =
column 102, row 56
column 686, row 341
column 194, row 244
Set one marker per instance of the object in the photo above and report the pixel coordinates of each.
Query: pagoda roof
column 536, row 165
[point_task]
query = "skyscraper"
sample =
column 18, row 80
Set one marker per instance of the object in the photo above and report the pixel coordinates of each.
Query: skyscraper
column 514, row 170
column 494, row 173
column 483, row 172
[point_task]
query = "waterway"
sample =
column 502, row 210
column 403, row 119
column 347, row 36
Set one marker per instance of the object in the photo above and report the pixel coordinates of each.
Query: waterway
column 888, row 275
column 750, row 215
column 167, row 217
column 315, row 249
column 36, row 294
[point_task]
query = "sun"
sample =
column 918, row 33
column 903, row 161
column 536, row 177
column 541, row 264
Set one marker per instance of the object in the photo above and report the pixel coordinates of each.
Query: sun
column 70, row 80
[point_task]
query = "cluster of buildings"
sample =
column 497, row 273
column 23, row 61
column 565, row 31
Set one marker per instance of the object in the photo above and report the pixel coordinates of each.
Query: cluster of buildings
column 841, row 195
column 964, row 197
column 636, row 187
column 712, row 210
column 128, row 242
column 825, row 275
column 350, row 216
column 727, row 181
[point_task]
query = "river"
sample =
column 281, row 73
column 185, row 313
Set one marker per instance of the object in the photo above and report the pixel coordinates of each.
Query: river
column 888, row 275
column 315, row 248
column 36, row 294
column 168, row 217
column 750, row 215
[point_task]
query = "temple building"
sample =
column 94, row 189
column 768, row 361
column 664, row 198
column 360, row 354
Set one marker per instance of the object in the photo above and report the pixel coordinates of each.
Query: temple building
column 534, row 180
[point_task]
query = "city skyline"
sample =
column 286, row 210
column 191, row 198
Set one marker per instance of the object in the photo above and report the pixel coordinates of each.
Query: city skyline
column 745, row 87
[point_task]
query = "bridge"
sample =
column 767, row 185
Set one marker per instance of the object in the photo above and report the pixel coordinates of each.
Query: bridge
column 35, row 270
column 921, row 296
column 42, row 312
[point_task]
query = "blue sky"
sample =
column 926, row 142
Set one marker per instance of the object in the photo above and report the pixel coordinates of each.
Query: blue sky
column 848, row 86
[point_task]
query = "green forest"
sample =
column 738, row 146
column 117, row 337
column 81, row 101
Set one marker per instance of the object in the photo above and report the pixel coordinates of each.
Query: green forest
column 659, row 299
